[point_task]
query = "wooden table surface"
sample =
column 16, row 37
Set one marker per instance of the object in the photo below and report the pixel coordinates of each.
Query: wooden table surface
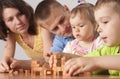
column 11, row 76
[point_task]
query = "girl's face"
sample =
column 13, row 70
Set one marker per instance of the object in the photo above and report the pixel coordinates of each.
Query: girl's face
column 15, row 20
column 82, row 29
column 109, row 25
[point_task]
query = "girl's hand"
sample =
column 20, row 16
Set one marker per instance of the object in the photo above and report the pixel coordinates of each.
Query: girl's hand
column 80, row 65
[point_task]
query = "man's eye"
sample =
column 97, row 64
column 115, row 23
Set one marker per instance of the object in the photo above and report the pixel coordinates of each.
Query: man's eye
column 62, row 20
column 56, row 28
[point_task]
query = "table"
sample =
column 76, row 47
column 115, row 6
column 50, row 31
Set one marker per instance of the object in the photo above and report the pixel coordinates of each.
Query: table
column 11, row 76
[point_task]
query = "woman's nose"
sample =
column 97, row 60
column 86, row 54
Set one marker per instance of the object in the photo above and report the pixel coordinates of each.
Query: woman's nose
column 17, row 20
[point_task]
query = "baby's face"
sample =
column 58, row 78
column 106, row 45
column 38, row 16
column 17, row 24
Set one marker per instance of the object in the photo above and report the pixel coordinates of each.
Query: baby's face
column 109, row 25
column 82, row 28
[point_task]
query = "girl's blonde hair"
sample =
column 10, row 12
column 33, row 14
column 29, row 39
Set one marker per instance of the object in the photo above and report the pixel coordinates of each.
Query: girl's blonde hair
column 86, row 11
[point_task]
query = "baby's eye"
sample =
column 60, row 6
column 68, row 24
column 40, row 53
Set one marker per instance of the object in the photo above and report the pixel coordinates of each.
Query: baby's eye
column 105, row 22
column 81, row 25
column 73, row 27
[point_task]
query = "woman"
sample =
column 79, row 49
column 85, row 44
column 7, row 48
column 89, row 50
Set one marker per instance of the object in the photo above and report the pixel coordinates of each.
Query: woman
column 17, row 25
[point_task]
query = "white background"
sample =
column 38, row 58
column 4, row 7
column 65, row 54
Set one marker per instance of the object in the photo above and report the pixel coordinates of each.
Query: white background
column 19, row 53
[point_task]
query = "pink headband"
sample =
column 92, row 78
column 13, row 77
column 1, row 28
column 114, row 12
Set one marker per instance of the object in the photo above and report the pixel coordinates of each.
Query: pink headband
column 81, row 1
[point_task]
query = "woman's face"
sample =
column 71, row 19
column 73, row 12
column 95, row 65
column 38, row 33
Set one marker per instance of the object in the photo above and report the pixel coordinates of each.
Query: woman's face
column 15, row 20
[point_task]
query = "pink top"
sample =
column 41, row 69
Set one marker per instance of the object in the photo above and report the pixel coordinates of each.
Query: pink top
column 74, row 48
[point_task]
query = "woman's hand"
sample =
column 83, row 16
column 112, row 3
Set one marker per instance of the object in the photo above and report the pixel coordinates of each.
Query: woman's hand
column 4, row 65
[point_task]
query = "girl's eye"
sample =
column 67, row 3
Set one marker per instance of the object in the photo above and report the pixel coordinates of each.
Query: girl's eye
column 73, row 27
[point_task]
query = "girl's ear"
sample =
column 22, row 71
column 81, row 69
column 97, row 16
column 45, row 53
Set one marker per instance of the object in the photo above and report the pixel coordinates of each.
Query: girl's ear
column 66, row 8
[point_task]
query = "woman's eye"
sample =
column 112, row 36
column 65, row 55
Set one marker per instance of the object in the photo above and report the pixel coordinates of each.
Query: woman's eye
column 20, row 14
column 10, row 19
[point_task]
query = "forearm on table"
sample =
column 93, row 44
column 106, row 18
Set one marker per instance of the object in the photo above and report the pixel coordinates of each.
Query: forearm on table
column 9, row 49
column 26, row 64
column 108, row 62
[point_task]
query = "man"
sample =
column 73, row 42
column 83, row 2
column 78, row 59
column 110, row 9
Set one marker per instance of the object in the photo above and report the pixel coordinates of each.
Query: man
column 54, row 20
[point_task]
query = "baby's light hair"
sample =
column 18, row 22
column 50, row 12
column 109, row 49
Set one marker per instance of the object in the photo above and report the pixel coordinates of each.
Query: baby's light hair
column 86, row 11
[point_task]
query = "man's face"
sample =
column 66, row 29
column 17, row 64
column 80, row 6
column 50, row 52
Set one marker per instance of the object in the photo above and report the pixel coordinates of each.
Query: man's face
column 58, row 22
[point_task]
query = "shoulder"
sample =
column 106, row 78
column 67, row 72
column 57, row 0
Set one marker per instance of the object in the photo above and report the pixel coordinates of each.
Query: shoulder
column 98, row 42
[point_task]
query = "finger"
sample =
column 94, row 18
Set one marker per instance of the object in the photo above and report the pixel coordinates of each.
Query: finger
column 13, row 64
column 6, row 66
column 74, row 67
column 78, row 71
column 68, row 65
column 51, row 61
column 2, row 68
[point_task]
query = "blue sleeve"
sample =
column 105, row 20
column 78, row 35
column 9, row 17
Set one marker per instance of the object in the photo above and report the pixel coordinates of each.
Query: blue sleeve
column 58, row 44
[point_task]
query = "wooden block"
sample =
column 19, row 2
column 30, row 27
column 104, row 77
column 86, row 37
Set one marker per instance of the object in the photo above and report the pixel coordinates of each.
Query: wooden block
column 15, row 72
column 21, row 71
column 49, row 72
column 37, row 73
column 60, row 73
column 27, row 72
column 36, row 65
column 11, row 71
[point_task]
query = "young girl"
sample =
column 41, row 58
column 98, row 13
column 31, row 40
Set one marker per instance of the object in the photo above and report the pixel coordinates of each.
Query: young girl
column 109, row 31
column 84, row 30
column 17, row 25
